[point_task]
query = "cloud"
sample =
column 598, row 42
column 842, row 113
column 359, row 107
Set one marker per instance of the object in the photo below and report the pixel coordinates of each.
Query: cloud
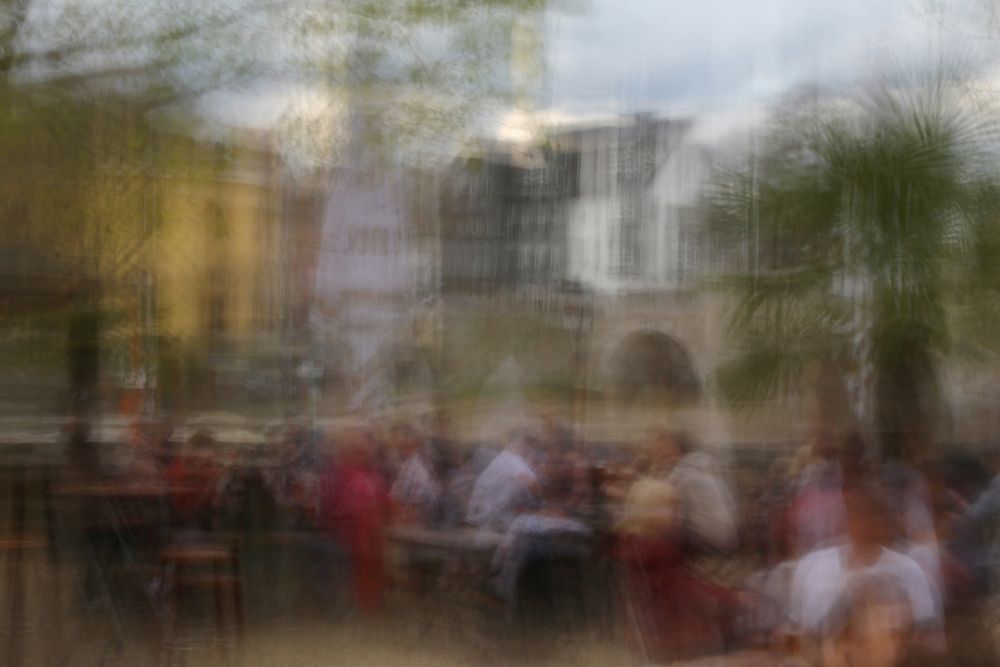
column 720, row 61
column 715, row 55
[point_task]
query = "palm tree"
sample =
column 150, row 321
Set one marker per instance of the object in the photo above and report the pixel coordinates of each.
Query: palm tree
column 870, row 233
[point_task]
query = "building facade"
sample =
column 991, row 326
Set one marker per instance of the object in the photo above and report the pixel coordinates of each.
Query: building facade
column 634, row 225
column 579, row 258
column 504, row 216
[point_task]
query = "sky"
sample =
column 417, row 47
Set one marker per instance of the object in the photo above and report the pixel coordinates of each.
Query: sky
column 722, row 61
column 708, row 53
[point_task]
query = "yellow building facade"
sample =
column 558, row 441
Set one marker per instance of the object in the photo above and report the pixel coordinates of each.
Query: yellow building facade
column 217, row 257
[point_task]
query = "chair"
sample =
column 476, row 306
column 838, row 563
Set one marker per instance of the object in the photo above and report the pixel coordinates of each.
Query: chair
column 191, row 571
column 22, row 557
column 551, row 597
column 25, row 556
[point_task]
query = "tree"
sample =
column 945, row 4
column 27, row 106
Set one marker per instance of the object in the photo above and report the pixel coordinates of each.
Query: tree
column 87, row 88
column 404, row 77
column 81, row 192
column 871, row 232
column 423, row 69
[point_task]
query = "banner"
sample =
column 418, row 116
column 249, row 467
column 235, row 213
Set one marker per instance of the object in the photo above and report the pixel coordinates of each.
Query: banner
column 363, row 283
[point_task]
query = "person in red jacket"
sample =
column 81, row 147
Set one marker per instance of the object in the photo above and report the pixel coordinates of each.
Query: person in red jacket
column 354, row 504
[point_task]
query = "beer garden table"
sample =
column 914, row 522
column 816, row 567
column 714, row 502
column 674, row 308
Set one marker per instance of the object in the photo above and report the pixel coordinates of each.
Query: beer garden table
column 450, row 567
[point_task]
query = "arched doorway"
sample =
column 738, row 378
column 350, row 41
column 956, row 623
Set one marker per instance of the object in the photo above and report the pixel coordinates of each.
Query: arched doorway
column 650, row 365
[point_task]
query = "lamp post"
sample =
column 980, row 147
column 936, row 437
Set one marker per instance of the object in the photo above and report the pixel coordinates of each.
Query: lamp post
column 578, row 317
column 310, row 373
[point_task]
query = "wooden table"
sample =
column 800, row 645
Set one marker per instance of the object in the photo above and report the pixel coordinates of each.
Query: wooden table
column 453, row 541
column 18, row 463
column 124, row 489
column 447, row 570
column 125, row 522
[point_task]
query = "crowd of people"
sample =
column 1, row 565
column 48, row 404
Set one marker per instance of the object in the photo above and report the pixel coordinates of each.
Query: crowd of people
column 834, row 556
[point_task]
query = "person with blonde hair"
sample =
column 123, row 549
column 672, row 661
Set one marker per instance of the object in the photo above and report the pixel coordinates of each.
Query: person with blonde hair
column 660, row 522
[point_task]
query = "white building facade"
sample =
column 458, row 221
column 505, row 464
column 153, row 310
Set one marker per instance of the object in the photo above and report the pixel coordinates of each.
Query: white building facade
column 634, row 224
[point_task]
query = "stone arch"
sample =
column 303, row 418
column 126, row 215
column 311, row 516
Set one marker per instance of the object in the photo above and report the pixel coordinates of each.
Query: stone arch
column 648, row 363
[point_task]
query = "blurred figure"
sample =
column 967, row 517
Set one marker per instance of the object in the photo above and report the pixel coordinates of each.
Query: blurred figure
column 193, row 478
column 81, row 452
column 141, row 458
column 651, row 508
column 816, row 516
column 534, row 536
column 324, row 558
column 233, row 505
column 707, row 503
column 458, row 488
column 823, row 578
column 969, row 523
column 675, row 509
column 294, row 481
column 909, row 497
column 416, row 489
column 385, row 463
column 442, row 454
column 355, row 502
column 949, row 507
column 768, row 590
column 774, row 535
column 507, row 486
column 978, row 530
column 853, row 457
column 911, row 506
column 564, row 458
column 768, row 594
column 870, row 624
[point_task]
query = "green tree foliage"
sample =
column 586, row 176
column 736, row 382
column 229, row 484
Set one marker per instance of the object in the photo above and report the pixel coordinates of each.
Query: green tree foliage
column 870, row 228
column 422, row 70
column 96, row 102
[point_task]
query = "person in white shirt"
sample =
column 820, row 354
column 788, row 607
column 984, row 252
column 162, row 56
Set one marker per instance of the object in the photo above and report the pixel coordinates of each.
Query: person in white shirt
column 824, row 578
column 539, row 534
column 506, row 486
column 707, row 505
column 416, row 487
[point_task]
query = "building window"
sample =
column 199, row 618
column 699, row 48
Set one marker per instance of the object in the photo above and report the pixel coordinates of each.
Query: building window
column 631, row 246
column 217, row 307
column 218, row 225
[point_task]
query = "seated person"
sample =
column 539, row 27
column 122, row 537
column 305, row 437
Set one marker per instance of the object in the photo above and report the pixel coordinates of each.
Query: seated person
column 457, row 489
column 416, row 490
column 650, row 521
column 651, row 509
column 193, row 478
column 708, row 506
column 548, row 533
column 564, row 457
column 140, row 459
column 82, row 455
column 507, row 486
column 676, row 612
